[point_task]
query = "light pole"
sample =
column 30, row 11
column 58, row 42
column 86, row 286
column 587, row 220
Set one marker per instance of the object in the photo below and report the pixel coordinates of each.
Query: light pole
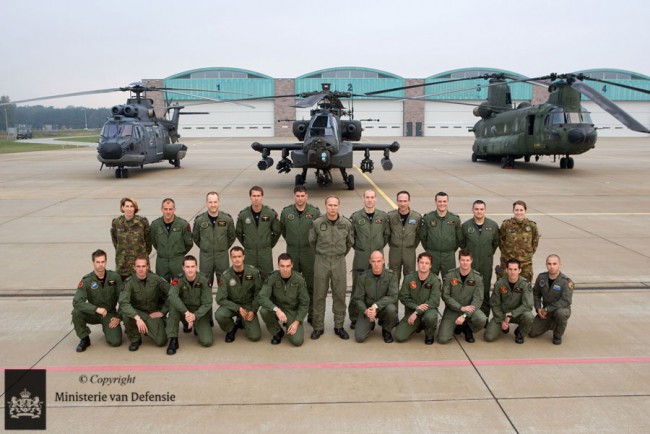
column 6, row 124
column 85, row 119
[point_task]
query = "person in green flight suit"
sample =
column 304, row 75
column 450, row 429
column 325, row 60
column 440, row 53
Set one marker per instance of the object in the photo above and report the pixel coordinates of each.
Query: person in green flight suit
column 420, row 295
column 295, row 221
column 511, row 302
column 237, row 297
column 481, row 237
column 190, row 301
column 441, row 235
column 405, row 225
column 258, row 231
column 213, row 233
column 171, row 235
column 284, row 301
column 95, row 302
column 144, row 304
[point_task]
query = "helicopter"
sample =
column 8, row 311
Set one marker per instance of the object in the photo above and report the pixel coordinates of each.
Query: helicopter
column 326, row 141
column 133, row 135
column 558, row 127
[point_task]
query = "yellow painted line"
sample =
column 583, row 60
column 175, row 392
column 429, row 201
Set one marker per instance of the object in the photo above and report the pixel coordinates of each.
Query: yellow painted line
column 379, row 190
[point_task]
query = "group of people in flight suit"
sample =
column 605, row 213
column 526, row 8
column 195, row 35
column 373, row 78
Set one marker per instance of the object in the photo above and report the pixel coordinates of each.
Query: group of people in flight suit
column 179, row 293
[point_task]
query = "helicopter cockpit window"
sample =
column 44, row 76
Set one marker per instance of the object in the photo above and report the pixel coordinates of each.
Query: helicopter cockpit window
column 560, row 117
column 117, row 130
column 321, row 126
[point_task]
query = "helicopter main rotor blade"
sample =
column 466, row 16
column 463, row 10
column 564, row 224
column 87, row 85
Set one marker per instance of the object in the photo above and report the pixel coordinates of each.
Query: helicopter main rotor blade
column 207, row 98
column 310, row 100
column 63, row 95
column 610, row 107
column 625, row 86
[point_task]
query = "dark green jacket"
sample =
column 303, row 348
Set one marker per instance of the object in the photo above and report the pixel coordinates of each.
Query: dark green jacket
column 233, row 293
column 481, row 243
column 441, row 234
column 91, row 294
column 552, row 298
column 195, row 297
column 290, row 296
column 295, row 226
column 381, row 290
column 174, row 243
column 265, row 234
column 404, row 235
column 413, row 293
column 150, row 295
column 457, row 294
column 214, row 238
column 331, row 238
column 517, row 301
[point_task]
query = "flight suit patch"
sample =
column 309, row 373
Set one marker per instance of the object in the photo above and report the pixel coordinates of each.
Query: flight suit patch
column 379, row 221
column 489, row 228
column 291, row 217
column 504, row 290
column 470, row 231
column 528, row 229
column 205, row 225
column 557, row 287
column 111, row 283
column 570, row 284
column 542, row 283
column 454, row 281
column 413, row 285
column 412, row 222
column 428, row 285
column 451, row 223
column 471, row 283
column 248, row 277
column 323, row 226
column 247, row 221
column 361, row 221
column 434, row 223
column 518, row 290
column 221, row 223
column 266, row 218
column 81, row 284
column 94, row 285
column 309, row 216
column 232, row 282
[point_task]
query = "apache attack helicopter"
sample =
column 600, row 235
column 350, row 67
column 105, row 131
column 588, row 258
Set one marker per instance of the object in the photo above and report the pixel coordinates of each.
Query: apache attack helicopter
column 559, row 127
column 134, row 136
column 326, row 141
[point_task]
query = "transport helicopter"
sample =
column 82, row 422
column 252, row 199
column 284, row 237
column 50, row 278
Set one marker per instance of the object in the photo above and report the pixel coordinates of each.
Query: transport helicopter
column 558, row 127
column 326, row 141
column 133, row 135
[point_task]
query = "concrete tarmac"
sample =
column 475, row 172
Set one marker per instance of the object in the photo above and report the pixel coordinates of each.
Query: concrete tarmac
column 56, row 208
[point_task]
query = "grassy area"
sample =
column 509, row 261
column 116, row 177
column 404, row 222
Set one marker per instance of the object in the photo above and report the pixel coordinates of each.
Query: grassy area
column 11, row 146
column 84, row 139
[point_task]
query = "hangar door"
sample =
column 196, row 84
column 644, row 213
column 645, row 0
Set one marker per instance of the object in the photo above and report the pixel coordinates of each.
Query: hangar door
column 250, row 119
column 445, row 119
column 389, row 113
column 608, row 126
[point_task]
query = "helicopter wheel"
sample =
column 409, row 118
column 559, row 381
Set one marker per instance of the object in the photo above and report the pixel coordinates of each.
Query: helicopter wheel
column 569, row 163
column 118, row 172
column 125, row 173
column 474, row 157
column 507, row 162
column 527, row 158
column 299, row 180
column 350, row 182
column 563, row 163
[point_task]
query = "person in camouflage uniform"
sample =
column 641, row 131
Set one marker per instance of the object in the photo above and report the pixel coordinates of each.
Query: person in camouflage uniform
column 131, row 237
column 95, row 302
column 462, row 293
column 511, row 302
column 295, row 222
column 552, row 294
column 284, row 300
column 144, row 303
column 405, row 225
column 190, row 301
column 172, row 238
column 518, row 238
column 371, row 232
column 237, row 297
column 441, row 235
column 420, row 295
column 213, row 233
column 258, row 231
column 481, row 237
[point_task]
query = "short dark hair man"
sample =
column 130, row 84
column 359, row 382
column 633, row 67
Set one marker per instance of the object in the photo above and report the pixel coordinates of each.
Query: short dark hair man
column 190, row 300
column 95, row 302
column 284, row 300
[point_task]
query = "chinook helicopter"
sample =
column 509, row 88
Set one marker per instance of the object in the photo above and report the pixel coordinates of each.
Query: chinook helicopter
column 134, row 136
column 326, row 141
column 558, row 127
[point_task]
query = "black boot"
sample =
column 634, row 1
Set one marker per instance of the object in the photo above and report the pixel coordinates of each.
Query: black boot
column 172, row 347
column 469, row 336
column 83, row 344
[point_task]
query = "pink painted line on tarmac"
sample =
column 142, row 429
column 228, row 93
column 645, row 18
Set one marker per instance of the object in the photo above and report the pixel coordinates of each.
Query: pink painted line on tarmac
column 346, row 365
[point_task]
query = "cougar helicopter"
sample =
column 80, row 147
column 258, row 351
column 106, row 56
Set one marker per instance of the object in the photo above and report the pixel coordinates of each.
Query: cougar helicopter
column 326, row 141
column 133, row 135
column 560, row 127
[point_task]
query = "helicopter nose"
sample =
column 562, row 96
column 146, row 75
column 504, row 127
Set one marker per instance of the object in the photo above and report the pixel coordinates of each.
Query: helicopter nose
column 110, row 151
column 576, row 136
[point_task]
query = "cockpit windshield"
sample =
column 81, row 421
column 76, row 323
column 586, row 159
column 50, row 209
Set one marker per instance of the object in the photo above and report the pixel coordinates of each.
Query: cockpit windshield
column 111, row 130
column 560, row 117
column 322, row 126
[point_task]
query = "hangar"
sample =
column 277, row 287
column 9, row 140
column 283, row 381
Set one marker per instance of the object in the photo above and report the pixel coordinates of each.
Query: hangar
column 435, row 110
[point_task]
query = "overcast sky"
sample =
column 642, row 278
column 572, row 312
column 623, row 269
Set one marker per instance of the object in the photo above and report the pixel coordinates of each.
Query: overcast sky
column 55, row 47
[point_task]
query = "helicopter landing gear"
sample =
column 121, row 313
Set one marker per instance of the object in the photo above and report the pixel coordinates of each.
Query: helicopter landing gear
column 507, row 162
column 566, row 163
column 474, row 157
column 323, row 178
column 527, row 158
column 348, row 179
column 301, row 178
column 121, row 172
column 176, row 163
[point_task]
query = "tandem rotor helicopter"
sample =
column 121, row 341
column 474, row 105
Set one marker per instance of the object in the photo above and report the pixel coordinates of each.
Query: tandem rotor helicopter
column 558, row 127
column 326, row 141
column 134, row 136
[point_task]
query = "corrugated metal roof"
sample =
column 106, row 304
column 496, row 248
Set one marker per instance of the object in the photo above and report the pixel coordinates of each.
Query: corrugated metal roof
column 233, row 83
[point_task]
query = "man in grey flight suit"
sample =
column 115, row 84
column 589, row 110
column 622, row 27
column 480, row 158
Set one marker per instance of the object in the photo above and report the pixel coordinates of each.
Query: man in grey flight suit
column 405, row 225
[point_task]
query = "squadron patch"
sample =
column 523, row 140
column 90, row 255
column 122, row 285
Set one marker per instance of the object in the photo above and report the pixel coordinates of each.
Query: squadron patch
column 361, row 221
column 81, row 284
column 323, row 226
column 232, row 282
column 428, row 285
column 542, row 283
column 174, row 282
column 379, row 221
column 433, row 223
column 94, row 285
column 470, row 230
column 413, row 285
column 291, row 217
column 204, row 225
column 309, row 216
column 504, row 290
column 570, row 285
column 412, row 222
column 454, row 281
column 247, row 221
column 528, row 229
